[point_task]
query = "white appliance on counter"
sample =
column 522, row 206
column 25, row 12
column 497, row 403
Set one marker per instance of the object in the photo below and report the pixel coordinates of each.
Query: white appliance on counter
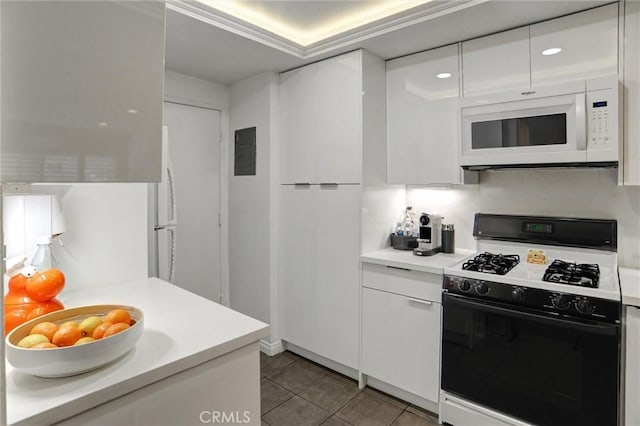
column 186, row 202
column 571, row 124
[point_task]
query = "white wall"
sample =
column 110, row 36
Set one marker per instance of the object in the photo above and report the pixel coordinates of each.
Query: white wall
column 569, row 193
column 106, row 237
column 252, row 202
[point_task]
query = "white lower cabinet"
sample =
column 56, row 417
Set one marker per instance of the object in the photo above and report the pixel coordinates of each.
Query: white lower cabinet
column 319, row 269
column 401, row 337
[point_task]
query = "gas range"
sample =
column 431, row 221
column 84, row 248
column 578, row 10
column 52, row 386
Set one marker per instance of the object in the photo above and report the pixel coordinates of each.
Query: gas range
column 525, row 261
column 524, row 284
column 528, row 319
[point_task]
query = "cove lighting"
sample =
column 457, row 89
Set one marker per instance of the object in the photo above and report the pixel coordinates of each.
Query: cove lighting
column 444, row 75
column 253, row 13
column 551, row 51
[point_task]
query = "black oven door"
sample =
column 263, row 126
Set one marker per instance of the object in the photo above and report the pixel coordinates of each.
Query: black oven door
column 542, row 369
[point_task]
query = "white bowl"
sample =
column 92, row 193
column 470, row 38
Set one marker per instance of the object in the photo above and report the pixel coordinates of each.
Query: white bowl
column 72, row 360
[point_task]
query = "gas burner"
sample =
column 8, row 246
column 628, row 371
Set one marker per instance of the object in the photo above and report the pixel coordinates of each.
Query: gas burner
column 584, row 275
column 490, row 263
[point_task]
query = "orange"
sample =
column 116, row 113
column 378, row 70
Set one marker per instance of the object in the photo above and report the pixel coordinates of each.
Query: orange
column 98, row 333
column 118, row 315
column 116, row 328
column 44, row 345
column 66, row 336
column 47, row 329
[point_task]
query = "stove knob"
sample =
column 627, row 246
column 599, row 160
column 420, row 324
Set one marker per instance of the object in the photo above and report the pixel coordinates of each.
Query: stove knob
column 584, row 306
column 561, row 301
column 464, row 285
column 518, row 294
column 482, row 288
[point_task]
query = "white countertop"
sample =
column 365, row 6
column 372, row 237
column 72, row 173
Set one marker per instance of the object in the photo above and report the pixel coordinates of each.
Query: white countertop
column 630, row 286
column 181, row 331
column 435, row 264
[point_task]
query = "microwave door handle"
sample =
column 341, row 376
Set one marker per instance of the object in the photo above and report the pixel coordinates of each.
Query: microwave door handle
column 581, row 122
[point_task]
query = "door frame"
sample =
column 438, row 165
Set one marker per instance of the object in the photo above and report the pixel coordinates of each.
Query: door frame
column 223, row 185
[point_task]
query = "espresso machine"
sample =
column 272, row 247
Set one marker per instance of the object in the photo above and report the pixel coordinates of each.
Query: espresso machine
column 429, row 240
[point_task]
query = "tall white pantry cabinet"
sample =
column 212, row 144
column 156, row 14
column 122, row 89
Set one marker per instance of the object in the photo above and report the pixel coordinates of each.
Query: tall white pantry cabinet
column 326, row 109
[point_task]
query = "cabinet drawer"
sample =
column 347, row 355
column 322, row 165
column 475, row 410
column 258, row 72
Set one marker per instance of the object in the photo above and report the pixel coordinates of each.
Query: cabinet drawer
column 421, row 285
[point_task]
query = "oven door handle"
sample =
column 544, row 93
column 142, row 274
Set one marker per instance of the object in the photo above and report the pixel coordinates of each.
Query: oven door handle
column 601, row 328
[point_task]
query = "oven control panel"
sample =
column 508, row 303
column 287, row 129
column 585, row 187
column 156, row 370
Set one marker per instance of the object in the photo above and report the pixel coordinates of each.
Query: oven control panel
column 563, row 304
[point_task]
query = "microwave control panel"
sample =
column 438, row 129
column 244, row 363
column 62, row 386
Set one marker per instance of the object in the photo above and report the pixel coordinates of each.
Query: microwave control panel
column 599, row 113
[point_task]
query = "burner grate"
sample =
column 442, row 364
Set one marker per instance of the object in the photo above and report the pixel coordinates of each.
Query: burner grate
column 490, row 263
column 583, row 275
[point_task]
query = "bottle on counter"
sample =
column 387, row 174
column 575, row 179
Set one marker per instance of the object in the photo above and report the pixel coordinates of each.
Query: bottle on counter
column 43, row 257
column 399, row 231
column 409, row 227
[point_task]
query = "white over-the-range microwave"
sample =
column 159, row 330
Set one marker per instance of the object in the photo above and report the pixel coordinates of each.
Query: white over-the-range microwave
column 572, row 124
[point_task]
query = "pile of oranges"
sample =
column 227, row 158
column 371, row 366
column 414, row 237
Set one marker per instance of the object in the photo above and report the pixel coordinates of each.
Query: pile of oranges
column 48, row 335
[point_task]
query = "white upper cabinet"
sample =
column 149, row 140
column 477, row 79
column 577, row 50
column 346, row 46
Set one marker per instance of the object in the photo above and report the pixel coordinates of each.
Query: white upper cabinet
column 497, row 62
column 632, row 93
column 422, row 117
column 322, row 122
column 339, row 150
column 589, row 43
column 298, row 90
column 82, row 87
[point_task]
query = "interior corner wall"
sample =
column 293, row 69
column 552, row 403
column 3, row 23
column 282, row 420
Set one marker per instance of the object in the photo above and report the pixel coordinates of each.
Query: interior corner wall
column 250, row 203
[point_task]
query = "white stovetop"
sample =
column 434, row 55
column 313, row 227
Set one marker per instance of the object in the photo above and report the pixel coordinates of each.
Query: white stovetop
column 530, row 275
column 181, row 331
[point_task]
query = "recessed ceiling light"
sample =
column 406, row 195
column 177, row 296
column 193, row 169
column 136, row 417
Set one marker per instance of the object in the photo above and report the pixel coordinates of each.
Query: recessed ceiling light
column 551, row 51
column 444, row 75
column 103, row 124
column 132, row 111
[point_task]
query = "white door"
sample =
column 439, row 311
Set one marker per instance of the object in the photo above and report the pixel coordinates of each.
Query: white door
column 194, row 163
column 299, row 125
column 339, row 147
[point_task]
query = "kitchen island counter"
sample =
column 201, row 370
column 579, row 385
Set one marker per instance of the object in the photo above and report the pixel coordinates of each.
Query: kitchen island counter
column 183, row 332
column 435, row 264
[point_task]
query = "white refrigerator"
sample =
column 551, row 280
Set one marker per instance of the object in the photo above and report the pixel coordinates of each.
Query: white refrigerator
column 186, row 203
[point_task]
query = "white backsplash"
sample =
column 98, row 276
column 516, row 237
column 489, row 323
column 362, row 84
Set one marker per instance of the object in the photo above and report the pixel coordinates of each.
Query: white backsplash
column 568, row 193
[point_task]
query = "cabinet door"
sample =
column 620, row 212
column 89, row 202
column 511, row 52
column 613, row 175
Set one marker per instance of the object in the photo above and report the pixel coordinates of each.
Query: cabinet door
column 632, row 370
column 339, row 149
column 632, row 93
column 401, row 342
column 497, row 62
column 298, row 119
column 298, row 265
column 82, row 91
column 422, row 118
column 589, row 43
column 337, row 259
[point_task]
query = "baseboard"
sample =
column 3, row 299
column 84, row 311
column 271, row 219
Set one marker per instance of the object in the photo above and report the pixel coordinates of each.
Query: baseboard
column 402, row 394
column 271, row 348
column 319, row 359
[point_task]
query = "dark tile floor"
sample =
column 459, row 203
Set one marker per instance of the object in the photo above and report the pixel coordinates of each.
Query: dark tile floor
column 298, row 392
